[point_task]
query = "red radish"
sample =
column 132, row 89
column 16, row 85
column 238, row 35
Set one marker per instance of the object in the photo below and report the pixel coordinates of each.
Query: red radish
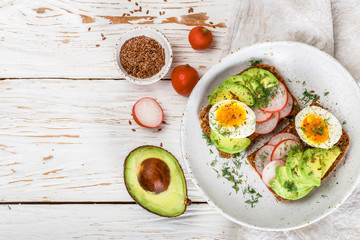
column 268, row 126
column 287, row 109
column 283, row 148
column 278, row 102
column 281, row 136
column 147, row 112
column 269, row 173
column 263, row 157
column 261, row 116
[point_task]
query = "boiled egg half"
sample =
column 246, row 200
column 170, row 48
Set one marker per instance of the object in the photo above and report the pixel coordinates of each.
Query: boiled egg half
column 232, row 119
column 318, row 127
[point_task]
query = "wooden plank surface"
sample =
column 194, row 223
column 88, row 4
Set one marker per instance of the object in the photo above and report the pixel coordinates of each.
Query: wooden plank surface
column 88, row 221
column 130, row 221
column 76, row 39
column 64, row 140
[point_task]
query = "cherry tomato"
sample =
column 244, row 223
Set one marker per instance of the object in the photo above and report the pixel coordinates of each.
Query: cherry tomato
column 200, row 38
column 184, row 79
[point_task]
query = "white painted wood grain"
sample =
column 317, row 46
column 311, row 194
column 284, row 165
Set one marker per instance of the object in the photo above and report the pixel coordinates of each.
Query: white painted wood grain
column 76, row 39
column 65, row 140
column 110, row 222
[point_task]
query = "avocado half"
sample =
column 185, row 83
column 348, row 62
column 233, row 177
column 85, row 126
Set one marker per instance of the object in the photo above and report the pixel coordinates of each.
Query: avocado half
column 155, row 180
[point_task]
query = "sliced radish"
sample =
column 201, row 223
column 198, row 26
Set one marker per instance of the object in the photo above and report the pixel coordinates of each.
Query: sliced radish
column 281, row 136
column 263, row 157
column 261, row 116
column 283, row 148
column 287, row 109
column 268, row 126
column 269, row 173
column 147, row 113
column 278, row 102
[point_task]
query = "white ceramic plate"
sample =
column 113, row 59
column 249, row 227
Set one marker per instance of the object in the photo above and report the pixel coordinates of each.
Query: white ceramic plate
column 298, row 63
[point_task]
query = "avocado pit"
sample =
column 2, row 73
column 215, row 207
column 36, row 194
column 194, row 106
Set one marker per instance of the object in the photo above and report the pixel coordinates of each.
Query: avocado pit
column 154, row 175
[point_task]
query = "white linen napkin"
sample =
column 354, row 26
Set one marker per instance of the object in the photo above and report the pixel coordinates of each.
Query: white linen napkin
column 346, row 24
column 317, row 23
column 305, row 21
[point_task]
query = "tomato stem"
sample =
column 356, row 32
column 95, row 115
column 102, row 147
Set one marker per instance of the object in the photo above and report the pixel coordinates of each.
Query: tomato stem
column 205, row 30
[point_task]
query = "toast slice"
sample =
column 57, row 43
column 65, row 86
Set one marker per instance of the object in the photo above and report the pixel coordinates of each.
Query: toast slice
column 343, row 144
column 204, row 115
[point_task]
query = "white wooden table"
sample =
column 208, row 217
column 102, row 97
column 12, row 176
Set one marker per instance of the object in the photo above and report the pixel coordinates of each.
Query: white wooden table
column 64, row 125
column 65, row 111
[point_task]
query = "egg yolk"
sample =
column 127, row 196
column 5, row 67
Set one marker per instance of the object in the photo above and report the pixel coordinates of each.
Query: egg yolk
column 231, row 114
column 315, row 128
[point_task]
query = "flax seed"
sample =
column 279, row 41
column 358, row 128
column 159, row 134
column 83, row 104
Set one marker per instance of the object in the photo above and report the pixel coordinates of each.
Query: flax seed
column 142, row 57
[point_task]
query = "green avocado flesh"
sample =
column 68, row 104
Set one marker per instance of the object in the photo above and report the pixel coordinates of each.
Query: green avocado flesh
column 327, row 157
column 293, row 163
column 266, row 78
column 310, row 167
column 170, row 202
column 251, row 87
column 229, row 145
column 234, row 91
column 303, row 171
column 252, row 84
column 286, row 190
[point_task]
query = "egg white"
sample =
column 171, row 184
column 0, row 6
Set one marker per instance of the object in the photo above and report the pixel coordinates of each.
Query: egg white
column 244, row 130
column 334, row 126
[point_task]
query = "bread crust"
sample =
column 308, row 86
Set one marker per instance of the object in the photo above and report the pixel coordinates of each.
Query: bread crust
column 343, row 144
column 204, row 115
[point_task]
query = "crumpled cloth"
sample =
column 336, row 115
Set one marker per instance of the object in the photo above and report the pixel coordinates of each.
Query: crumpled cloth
column 332, row 26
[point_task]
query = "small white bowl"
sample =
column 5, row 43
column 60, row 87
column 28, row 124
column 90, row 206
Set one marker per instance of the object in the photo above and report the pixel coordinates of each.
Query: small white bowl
column 148, row 32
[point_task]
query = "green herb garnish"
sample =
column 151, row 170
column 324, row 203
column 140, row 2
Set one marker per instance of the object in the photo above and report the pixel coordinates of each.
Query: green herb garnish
column 236, row 155
column 230, row 176
column 296, row 107
column 309, row 96
column 254, row 198
column 237, row 164
column 254, row 62
column 213, row 163
column 290, row 186
column 326, row 93
column 208, row 140
column 269, row 93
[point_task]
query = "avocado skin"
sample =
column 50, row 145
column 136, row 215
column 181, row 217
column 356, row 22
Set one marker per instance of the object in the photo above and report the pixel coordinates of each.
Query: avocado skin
column 130, row 186
column 229, row 145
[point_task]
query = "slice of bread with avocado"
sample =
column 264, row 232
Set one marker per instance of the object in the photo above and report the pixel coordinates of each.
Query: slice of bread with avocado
column 342, row 144
column 253, row 88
